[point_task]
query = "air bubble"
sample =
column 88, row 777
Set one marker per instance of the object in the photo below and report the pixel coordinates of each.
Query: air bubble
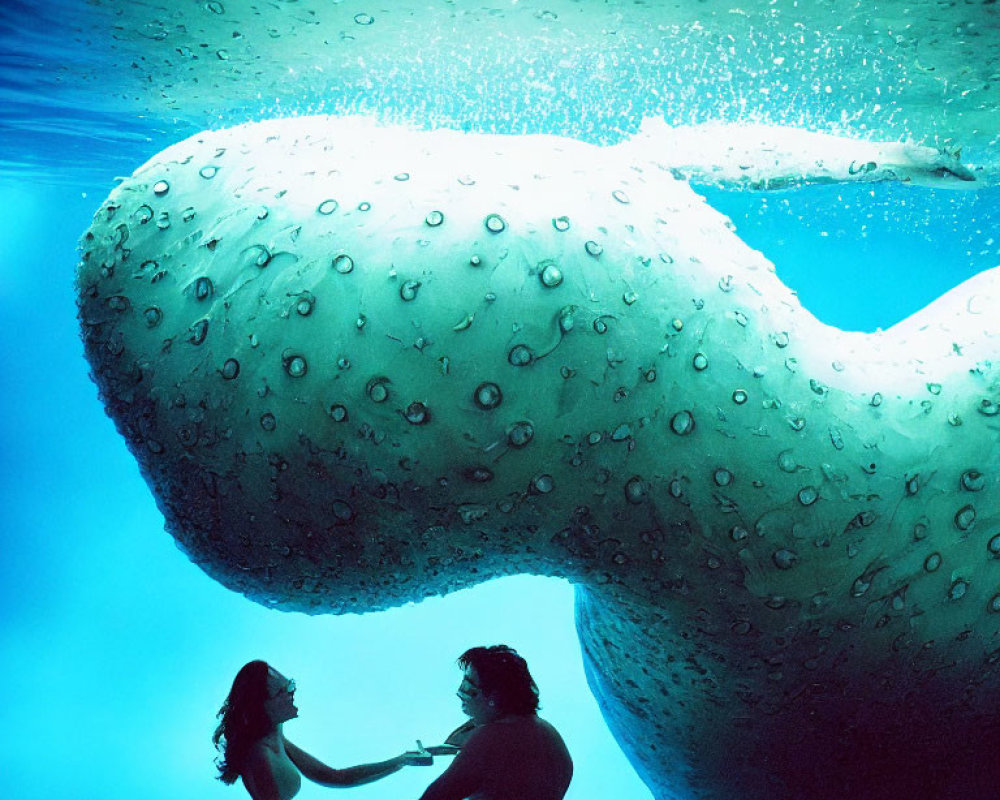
column 475, row 261
column 434, row 218
column 780, row 339
column 994, row 604
column 993, row 545
column 965, row 518
column 787, row 462
column 338, row 412
column 304, row 305
column 785, row 558
column 797, row 423
column 560, row 223
column 635, row 489
column 808, row 495
column 958, row 589
column 543, row 484
column 876, row 400
column 973, row 480
column 739, row 397
column 550, row 276
column 208, row 172
column 988, row 408
column 700, row 362
column 621, row 433
column 478, row 474
column 328, row 206
column 676, row 488
column 198, row 332
column 629, row 297
column 934, row 388
column 566, row 321
column 495, row 223
column 738, row 533
column 594, row 437
column 364, row 19
column 142, row 214
column 932, row 562
column 377, row 390
column 160, row 188
column 520, row 356
column 722, row 477
column 488, row 396
column 153, row 316
column 677, row 324
column 682, row 423
column 343, row 263
column 259, row 255
column 620, row 196
column 230, row 369
column 913, row 485
column 600, row 326
column 342, row 511
column 520, row 434
column 202, row 288
column 268, row 422
column 417, row 413
column 408, row 291
column 593, row 248
column 294, row 365
column 364, row 206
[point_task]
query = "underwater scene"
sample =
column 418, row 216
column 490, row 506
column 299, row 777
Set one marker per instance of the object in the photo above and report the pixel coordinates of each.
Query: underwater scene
column 657, row 340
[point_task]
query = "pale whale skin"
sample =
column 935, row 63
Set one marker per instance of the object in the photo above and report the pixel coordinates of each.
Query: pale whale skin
column 359, row 366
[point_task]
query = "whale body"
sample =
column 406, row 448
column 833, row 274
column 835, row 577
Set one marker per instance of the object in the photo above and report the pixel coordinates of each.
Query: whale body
column 362, row 365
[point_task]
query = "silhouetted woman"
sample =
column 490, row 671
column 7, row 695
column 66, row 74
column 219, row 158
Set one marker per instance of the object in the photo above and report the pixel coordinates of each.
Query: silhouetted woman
column 254, row 748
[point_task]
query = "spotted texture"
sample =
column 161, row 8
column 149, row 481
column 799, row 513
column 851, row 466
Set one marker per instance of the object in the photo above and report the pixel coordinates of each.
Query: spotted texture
column 359, row 366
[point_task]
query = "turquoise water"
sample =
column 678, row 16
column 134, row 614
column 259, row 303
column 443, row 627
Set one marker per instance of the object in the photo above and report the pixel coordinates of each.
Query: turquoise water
column 115, row 651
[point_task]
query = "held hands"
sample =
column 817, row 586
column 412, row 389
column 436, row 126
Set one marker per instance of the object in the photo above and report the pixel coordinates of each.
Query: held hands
column 424, row 756
column 421, row 757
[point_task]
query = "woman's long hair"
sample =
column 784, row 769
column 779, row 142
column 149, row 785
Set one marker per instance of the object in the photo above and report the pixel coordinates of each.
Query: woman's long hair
column 243, row 719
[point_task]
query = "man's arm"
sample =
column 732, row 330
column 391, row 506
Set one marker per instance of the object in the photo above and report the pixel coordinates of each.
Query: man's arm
column 465, row 774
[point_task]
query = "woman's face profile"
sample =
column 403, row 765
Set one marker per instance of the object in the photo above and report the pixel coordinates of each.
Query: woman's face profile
column 280, row 703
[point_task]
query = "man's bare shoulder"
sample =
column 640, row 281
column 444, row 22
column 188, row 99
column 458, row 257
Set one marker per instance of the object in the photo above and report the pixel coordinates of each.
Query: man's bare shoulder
column 511, row 728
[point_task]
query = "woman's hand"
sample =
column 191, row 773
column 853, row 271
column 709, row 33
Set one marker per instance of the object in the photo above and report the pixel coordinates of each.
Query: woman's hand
column 444, row 750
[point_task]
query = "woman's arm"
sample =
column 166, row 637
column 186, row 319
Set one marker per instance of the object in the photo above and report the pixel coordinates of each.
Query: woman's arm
column 318, row 772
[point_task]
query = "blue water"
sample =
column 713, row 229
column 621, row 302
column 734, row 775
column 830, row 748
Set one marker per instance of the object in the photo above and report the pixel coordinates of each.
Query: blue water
column 115, row 651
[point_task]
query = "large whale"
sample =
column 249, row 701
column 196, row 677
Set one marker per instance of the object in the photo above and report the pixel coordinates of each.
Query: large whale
column 362, row 365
